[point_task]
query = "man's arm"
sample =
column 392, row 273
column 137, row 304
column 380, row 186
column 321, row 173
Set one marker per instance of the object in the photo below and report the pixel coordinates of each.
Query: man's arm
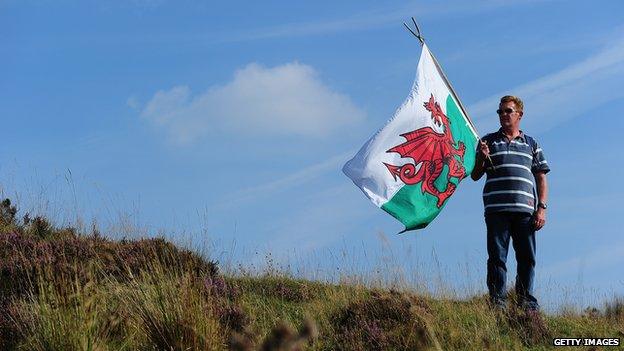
column 479, row 167
column 542, row 195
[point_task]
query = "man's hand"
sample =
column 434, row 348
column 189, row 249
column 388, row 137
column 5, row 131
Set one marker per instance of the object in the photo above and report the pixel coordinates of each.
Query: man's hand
column 484, row 151
column 482, row 154
column 539, row 218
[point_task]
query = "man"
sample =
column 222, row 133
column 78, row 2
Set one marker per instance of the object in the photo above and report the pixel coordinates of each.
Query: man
column 514, row 196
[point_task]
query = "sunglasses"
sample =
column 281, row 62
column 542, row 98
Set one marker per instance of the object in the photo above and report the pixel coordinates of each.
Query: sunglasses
column 507, row 110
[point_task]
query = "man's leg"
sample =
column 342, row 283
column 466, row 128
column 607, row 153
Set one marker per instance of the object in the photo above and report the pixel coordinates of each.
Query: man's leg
column 523, row 235
column 498, row 233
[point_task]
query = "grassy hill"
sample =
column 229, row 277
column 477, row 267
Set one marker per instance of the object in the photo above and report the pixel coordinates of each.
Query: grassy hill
column 63, row 290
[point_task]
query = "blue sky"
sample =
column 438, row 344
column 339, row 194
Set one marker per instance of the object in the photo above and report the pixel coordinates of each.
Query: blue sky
column 227, row 124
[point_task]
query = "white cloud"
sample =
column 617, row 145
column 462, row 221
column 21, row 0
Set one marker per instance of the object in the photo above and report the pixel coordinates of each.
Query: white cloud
column 283, row 100
column 557, row 97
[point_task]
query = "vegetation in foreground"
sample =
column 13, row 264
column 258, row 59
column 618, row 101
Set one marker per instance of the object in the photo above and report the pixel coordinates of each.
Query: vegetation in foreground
column 63, row 290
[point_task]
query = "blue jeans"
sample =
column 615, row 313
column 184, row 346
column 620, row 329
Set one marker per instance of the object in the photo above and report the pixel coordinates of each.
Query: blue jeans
column 502, row 226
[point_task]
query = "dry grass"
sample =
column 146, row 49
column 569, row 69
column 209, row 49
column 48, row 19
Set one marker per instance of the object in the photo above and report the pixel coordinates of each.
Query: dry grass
column 64, row 291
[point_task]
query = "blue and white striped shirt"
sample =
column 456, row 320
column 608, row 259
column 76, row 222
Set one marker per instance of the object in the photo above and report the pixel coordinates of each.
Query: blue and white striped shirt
column 510, row 184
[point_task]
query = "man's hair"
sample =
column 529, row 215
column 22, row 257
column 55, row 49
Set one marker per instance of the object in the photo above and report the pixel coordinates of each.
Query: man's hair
column 516, row 100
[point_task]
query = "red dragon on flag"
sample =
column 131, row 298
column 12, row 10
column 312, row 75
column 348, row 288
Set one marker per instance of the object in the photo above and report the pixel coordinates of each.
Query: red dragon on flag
column 432, row 150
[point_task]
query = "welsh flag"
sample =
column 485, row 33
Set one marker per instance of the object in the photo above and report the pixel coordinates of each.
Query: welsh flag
column 412, row 165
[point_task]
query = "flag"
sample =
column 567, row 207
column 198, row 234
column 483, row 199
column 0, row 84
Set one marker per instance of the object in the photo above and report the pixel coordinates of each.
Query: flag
column 412, row 165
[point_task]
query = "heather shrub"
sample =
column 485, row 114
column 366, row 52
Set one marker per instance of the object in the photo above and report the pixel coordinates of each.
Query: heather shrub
column 7, row 215
column 38, row 226
column 23, row 256
column 382, row 321
column 529, row 326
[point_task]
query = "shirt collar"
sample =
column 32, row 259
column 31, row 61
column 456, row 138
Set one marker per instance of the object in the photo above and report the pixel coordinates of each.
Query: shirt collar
column 520, row 136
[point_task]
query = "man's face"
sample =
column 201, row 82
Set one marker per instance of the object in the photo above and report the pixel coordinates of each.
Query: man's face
column 509, row 115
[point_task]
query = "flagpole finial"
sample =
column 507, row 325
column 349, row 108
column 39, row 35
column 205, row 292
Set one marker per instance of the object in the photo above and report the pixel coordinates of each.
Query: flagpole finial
column 417, row 32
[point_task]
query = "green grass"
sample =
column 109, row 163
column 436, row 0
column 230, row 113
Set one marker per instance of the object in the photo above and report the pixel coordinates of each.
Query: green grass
column 61, row 290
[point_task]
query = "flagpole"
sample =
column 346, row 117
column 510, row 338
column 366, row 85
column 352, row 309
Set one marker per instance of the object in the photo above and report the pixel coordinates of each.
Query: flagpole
column 420, row 38
column 448, row 83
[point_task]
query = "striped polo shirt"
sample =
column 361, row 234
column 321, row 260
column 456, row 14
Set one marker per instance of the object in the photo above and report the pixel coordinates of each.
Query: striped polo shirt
column 510, row 184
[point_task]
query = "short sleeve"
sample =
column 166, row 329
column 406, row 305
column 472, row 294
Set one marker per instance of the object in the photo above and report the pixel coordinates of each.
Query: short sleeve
column 540, row 164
